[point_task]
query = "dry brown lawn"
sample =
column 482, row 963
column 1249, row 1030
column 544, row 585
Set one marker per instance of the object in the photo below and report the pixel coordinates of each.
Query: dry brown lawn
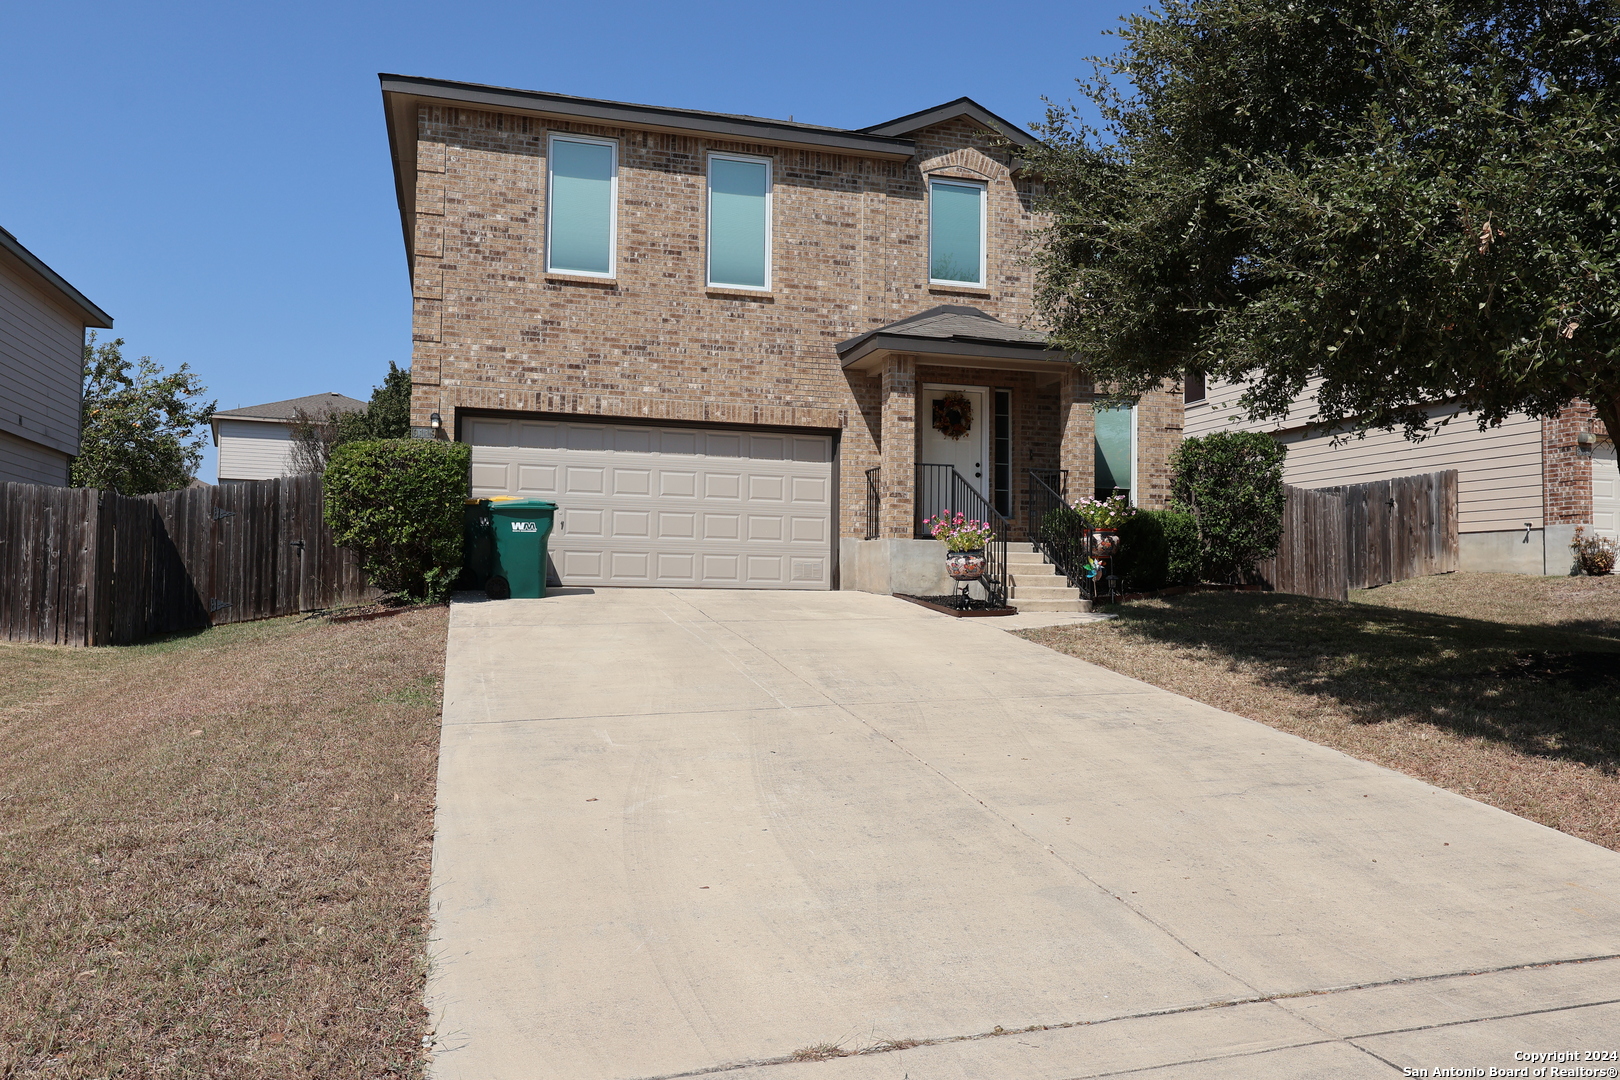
column 1504, row 688
column 214, row 852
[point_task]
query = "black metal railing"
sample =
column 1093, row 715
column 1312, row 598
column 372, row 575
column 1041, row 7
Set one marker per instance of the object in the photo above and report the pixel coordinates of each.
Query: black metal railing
column 874, row 501
column 942, row 490
column 1060, row 535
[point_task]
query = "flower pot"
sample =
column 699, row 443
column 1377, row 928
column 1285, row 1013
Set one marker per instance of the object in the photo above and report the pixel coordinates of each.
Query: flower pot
column 1104, row 542
column 965, row 565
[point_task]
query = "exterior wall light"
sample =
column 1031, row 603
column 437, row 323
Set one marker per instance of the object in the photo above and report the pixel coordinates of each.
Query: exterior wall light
column 1585, row 441
column 436, row 421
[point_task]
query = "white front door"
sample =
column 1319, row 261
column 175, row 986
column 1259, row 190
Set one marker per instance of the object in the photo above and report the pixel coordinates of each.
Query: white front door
column 963, row 444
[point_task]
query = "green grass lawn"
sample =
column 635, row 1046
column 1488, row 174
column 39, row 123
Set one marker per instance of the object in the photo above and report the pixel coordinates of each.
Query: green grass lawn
column 1501, row 687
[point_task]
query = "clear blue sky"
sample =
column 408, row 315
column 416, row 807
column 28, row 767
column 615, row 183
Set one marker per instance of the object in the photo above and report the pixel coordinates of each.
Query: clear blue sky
column 216, row 175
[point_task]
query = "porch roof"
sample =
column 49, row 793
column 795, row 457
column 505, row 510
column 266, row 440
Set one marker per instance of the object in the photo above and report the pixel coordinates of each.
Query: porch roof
column 954, row 335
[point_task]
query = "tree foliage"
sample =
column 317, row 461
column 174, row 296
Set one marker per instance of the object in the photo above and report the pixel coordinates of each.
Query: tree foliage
column 1231, row 484
column 388, row 416
column 398, row 504
column 1386, row 203
column 139, row 430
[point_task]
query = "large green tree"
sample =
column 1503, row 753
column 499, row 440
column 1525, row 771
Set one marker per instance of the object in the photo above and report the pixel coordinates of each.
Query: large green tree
column 1391, row 204
column 140, row 426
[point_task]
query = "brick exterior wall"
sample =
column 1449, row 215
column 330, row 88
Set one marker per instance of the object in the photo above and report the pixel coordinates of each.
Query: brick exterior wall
column 1566, row 472
column 493, row 331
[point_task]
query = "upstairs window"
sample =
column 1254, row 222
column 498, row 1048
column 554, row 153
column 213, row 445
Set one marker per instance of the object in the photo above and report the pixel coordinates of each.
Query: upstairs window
column 956, row 232
column 739, row 222
column 581, row 195
column 1194, row 388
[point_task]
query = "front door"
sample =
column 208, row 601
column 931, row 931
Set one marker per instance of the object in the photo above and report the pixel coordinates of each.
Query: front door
column 954, row 424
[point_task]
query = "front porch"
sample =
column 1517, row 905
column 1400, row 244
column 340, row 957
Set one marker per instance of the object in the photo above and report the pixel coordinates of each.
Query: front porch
column 978, row 418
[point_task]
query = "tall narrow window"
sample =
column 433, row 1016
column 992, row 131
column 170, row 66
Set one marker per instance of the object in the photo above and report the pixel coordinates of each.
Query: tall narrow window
column 1003, row 453
column 1114, row 437
column 583, row 178
column 739, row 222
column 956, row 232
column 1193, row 388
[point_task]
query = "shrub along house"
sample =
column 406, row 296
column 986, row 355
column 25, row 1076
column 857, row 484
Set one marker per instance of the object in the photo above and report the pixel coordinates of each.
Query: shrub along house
column 740, row 352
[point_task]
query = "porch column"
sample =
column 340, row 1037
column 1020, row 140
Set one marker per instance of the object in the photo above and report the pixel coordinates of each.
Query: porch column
column 1077, row 453
column 899, row 447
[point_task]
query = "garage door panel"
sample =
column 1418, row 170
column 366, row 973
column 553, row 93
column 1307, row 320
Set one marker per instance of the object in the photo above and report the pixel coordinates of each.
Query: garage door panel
column 678, row 506
column 632, row 481
column 721, row 569
column 583, row 480
column 717, row 485
column 538, row 436
column 489, row 477
column 764, row 527
column 678, row 442
column 767, row 487
column 722, row 526
column 809, row 489
column 538, row 481
column 677, row 484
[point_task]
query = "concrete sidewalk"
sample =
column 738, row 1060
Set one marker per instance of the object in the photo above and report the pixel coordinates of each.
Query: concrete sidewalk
column 685, row 830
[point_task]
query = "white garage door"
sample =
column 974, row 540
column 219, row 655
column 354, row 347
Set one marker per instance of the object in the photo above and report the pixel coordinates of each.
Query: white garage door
column 1605, row 492
column 668, row 506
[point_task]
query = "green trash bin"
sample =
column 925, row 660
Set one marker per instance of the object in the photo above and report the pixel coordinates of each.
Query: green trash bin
column 478, row 545
column 521, row 528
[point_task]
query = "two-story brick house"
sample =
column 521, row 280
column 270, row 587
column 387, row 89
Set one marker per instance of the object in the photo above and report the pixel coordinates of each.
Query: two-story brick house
column 740, row 352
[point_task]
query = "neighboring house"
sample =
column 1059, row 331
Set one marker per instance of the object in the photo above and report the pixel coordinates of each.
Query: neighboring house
column 42, row 324
column 1522, row 488
column 709, row 337
column 255, row 443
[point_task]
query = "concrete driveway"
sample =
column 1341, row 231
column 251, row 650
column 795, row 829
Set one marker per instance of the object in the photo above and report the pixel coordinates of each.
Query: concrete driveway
column 684, row 831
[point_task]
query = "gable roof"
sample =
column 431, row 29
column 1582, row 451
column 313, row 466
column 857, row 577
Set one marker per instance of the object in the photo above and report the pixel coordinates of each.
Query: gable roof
column 962, row 106
column 954, row 330
column 93, row 316
column 288, row 410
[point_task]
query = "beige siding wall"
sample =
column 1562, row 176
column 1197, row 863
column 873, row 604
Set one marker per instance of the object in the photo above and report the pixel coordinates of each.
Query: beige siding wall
column 41, row 356
column 254, row 450
column 1499, row 478
column 25, row 462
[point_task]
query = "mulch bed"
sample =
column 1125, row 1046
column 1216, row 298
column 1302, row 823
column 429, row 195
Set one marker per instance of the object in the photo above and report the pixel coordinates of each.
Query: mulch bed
column 379, row 610
column 947, row 605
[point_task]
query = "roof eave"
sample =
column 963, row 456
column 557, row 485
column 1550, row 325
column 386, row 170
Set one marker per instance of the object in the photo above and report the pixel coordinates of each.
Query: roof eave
column 868, row 354
column 962, row 106
column 93, row 315
column 648, row 117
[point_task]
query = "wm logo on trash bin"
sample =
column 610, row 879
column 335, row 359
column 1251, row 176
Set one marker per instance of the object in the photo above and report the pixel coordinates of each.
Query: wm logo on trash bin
column 525, row 526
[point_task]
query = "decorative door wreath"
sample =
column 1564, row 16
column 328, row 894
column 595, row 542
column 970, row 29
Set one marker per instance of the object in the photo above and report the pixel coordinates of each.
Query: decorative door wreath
column 953, row 415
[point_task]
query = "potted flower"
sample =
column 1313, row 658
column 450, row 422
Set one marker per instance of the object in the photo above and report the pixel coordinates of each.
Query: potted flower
column 1104, row 517
column 964, row 539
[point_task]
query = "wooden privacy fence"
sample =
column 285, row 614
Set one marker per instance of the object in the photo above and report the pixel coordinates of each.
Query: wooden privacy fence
column 86, row 567
column 1360, row 535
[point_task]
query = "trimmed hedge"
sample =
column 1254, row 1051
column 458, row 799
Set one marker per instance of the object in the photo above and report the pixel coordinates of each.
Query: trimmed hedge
column 1231, row 483
column 1157, row 549
column 397, row 503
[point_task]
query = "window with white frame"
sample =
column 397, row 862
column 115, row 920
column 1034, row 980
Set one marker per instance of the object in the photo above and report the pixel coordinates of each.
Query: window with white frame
column 582, row 181
column 956, row 232
column 739, row 249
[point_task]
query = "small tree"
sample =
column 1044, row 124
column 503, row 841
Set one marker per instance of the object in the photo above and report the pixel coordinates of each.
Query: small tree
column 139, row 425
column 1231, row 483
column 388, row 416
column 397, row 503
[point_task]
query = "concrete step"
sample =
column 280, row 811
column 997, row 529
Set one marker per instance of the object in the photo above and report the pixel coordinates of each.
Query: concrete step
column 1037, row 592
column 1040, row 581
column 1023, row 585
column 1024, row 548
column 1026, row 560
column 1052, row 605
